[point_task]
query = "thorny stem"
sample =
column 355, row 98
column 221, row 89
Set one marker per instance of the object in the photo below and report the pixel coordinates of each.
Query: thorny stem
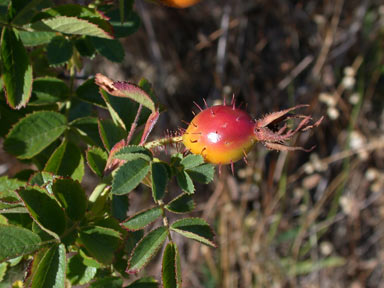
column 163, row 141
column 165, row 219
column 134, row 125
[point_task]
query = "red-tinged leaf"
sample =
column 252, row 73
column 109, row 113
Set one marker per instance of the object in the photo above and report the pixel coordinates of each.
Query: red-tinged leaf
column 125, row 90
column 16, row 69
column 171, row 270
column 151, row 121
column 146, row 249
column 113, row 163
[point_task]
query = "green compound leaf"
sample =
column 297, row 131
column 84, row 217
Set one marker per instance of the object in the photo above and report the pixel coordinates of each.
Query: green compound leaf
column 129, row 176
column 78, row 273
column 192, row 161
column 110, row 133
column 203, row 173
column 48, row 90
column 110, row 282
column 89, row 92
column 96, row 159
column 109, row 48
column 34, row 133
column 71, row 196
column 59, row 51
column 171, row 270
column 31, row 39
column 194, row 228
column 71, row 25
column 16, row 241
column 132, row 152
column 142, row 219
column 66, row 161
column 146, row 282
column 16, row 69
column 43, row 208
column 182, row 204
column 100, row 242
column 159, row 179
column 185, row 182
column 50, row 271
column 88, row 129
column 124, row 28
column 146, row 249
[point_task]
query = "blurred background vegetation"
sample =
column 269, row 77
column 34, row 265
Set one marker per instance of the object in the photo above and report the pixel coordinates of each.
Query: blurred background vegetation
column 285, row 219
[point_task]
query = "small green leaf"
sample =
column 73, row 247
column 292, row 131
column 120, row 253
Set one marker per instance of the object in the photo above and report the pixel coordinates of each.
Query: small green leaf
column 42, row 179
column 48, row 90
column 146, row 249
column 31, row 39
column 78, row 273
column 129, row 176
column 194, row 228
column 171, row 270
column 110, row 133
column 185, row 182
column 109, row 48
column 16, row 241
column 159, row 180
column 182, row 204
column 88, row 129
column 191, row 161
column 34, row 132
column 132, row 152
column 71, row 197
column 3, row 271
column 146, row 282
column 110, row 282
column 43, row 208
column 16, row 69
column 142, row 219
column 59, row 50
column 124, row 28
column 8, row 187
column 203, row 173
column 66, row 161
column 100, row 242
column 70, row 25
column 89, row 92
column 85, row 47
column 50, row 271
column 97, row 159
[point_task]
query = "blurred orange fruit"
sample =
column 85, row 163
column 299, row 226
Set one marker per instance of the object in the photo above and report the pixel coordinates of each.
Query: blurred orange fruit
column 179, row 3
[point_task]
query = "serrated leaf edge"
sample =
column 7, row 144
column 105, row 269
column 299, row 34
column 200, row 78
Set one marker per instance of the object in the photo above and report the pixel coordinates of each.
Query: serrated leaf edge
column 149, row 258
column 131, row 217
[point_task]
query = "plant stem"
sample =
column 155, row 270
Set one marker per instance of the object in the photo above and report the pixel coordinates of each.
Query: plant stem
column 134, row 125
column 163, row 141
column 165, row 219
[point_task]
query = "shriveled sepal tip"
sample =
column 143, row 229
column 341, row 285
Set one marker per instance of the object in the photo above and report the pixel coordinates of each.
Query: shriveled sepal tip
column 276, row 140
